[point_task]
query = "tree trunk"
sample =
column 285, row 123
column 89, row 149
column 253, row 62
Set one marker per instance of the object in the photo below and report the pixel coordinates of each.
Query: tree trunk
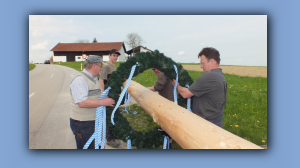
column 186, row 128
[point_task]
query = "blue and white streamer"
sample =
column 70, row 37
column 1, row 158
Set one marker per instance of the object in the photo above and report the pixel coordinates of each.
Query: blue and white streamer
column 127, row 97
column 123, row 92
column 188, row 106
column 100, row 125
column 128, row 143
column 175, row 86
column 166, row 141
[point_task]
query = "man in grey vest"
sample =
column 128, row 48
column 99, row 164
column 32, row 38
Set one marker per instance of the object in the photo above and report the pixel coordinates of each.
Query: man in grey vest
column 85, row 91
column 209, row 90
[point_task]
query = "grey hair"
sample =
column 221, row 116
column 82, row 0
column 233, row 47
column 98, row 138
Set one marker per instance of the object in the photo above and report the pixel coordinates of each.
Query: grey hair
column 88, row 64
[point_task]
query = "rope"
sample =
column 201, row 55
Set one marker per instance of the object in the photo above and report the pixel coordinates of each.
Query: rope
column 175, row 86
column 128, row 143
column 166, row 141
column 188, row 106
column 123, row 92
column 100, row 125
column 126, row 101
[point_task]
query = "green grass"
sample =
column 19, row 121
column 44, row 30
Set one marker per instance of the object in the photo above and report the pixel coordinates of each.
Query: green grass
column 245, row 113
column 31, row 66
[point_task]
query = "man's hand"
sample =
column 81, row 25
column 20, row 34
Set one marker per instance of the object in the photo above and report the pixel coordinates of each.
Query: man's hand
column 151, row 88
column 108, row 102
column 173, row 83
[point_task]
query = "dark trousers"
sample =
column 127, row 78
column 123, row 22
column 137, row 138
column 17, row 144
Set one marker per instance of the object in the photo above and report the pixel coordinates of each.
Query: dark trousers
column 83, row 130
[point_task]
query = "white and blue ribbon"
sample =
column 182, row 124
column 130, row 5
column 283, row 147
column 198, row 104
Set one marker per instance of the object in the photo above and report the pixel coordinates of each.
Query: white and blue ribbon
column 128, row 143
column 100, row 125
column 188, row 106
column 127, row 97
column 166, row 142
column 175, row 86
column 127, row 102
column 123, row 92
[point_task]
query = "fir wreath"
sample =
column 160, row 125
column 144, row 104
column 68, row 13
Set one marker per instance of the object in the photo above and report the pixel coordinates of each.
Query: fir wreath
column 122, row 129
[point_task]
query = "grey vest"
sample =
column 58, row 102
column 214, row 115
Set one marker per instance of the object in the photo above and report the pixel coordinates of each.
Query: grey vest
column 86, row 114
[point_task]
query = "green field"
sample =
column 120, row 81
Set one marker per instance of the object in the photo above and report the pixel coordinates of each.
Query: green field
column 31, row 66
column 245, row 113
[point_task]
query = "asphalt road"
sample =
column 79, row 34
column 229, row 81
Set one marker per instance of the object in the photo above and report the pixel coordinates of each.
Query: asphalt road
column 49, row 107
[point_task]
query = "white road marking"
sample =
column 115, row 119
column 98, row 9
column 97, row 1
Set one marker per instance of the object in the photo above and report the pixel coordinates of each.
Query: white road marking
column 31, row 94
column 51, row 75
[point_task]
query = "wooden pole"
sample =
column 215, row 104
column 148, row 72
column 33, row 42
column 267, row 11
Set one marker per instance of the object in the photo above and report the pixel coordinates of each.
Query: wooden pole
column 186, row 128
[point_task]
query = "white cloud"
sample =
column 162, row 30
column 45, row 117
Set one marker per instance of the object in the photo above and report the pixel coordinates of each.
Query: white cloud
column 36, row 33
column 180, row 52
column 40, row 46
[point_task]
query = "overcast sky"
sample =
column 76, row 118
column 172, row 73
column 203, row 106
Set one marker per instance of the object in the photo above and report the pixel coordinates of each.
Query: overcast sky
column 240, row 39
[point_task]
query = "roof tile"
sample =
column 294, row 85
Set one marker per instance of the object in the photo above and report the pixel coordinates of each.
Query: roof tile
column 87, row 46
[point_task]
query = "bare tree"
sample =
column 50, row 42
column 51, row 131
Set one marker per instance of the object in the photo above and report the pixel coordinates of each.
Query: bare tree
column 134, row 40
column 82, row 41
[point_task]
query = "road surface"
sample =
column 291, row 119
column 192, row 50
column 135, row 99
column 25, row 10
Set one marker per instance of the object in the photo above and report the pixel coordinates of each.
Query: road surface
column 49, row 108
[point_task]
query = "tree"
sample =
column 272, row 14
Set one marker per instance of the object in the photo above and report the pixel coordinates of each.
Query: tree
column 51, row 59
column 134, row 40
column 95, row 40
column 82, row 41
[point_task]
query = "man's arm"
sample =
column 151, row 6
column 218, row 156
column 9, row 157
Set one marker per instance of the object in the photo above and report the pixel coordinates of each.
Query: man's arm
column 90, row 103
column 183, row 91
column 151, row 88
column 160, row 83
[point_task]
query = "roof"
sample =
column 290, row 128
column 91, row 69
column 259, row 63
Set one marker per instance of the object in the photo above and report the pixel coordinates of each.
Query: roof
column 138, row 49
column 88, row 46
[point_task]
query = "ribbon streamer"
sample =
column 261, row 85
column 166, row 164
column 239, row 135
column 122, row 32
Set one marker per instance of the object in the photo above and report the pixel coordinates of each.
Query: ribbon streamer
column 188, row 106
column 175, row 86
column 123, row 92
column 166, row 141
column 128, row 143
column 100, row 125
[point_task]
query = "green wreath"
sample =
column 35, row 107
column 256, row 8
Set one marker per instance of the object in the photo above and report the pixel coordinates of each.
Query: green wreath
column 122, row 129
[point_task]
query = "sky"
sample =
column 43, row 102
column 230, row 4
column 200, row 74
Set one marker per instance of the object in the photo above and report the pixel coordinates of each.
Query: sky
column 240, row 39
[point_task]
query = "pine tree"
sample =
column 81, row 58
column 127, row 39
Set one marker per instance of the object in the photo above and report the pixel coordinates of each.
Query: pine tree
column 95, row 40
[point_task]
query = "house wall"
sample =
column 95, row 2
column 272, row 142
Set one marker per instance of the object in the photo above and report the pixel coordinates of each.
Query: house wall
column 122, row 57
column 59, row 59
column 105, row 58
column 78, row 58
column 142, row 49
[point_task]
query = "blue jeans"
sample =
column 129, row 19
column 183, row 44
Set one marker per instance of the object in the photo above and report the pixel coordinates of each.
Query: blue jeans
column 83, row 130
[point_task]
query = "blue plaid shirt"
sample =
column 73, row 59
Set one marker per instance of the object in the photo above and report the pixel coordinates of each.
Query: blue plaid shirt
column 79, row 87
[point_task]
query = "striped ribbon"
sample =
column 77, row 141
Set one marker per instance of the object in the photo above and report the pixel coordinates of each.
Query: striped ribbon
column 133, row 112
column 166, row 141
column 100, row 125
column 126, row 102
column 123, row 92
column 188, row 106
column 128, row 143
column 175, row 86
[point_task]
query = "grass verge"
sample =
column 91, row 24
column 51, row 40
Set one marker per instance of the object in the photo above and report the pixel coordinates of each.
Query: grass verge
column 31, row 66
